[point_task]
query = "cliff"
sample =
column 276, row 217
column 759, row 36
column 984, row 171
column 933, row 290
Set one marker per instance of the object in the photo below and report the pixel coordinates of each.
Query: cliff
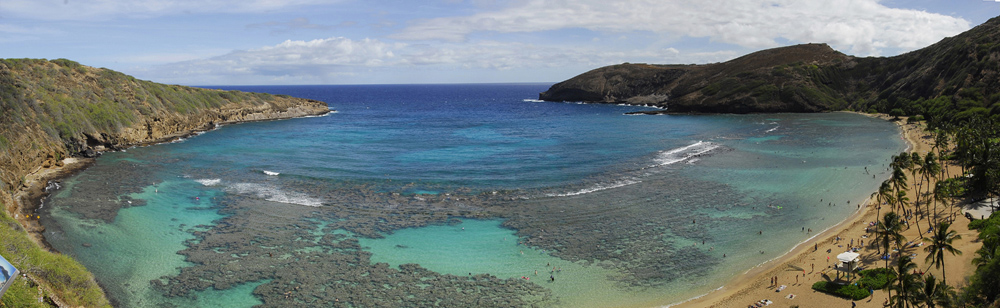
column 958, row 74
column 50, row 110
column 56, row 109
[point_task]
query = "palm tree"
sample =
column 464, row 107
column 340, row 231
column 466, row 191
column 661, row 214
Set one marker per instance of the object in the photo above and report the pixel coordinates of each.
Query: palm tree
column 898, row 180
column 901, row 161
column 915, row 164
column 907, row 285
column 934, row 294
column 941, row 142
column 941, row 194
column 986, row 255
column 929, row 170
column 890, row 230
column 884, row 196
column 902, row 200
column 940, row 243
column 948, row 296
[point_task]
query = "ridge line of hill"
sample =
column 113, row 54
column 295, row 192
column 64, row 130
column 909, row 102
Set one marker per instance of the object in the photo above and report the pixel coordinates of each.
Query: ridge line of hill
column 954, row 78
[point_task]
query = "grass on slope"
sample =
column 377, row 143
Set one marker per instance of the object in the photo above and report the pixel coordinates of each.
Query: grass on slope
column 67, row 278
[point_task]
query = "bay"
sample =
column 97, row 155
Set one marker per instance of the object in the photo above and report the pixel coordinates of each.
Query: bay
column 480, row 186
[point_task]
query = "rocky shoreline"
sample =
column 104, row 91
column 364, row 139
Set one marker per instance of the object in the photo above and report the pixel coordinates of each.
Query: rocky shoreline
column 27, row 199
column 23, row 202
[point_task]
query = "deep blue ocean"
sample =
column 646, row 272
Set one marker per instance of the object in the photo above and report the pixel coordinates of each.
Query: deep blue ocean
column 462, row 195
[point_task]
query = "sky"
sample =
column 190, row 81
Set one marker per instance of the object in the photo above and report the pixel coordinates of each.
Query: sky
column 274, row 42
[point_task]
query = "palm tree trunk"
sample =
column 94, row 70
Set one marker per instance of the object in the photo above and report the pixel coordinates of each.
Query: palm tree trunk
column 929, row 196
column 944, row 278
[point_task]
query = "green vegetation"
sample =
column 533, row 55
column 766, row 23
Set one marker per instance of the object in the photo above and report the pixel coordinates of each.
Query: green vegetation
column 969, row 138
column 69, row 100
column 67, row 278
column 872, row 279
column 51, row 109
column 982, row 290
column 851, row 291
column 23, row 293
column 875, row 279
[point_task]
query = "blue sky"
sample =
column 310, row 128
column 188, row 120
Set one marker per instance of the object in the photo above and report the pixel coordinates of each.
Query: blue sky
column 253, row 42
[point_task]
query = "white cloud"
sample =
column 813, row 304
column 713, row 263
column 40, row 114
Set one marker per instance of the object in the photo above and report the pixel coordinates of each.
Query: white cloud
column 105, row 9
column 862, row 27
column 325, row 59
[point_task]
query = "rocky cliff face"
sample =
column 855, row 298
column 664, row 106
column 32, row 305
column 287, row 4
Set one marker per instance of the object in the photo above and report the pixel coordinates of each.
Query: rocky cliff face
column 809, row 78
column 57, row 109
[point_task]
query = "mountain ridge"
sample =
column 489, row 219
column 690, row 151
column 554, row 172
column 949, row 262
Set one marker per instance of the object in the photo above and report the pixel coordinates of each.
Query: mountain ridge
column 957, row 73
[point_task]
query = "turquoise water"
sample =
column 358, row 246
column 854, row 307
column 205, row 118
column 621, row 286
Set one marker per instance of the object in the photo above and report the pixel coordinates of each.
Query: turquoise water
column 476, row 184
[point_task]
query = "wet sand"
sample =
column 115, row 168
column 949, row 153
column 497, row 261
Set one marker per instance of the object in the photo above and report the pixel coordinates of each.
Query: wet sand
column 808, row 262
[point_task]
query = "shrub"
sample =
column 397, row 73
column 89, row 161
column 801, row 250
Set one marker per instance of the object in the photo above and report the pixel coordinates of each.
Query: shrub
column 877, row 279
column 851, row 291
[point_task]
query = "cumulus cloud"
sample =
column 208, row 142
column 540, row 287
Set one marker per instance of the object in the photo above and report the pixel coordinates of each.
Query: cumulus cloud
column 322, row 60
column 862, row 27
column 104, row 9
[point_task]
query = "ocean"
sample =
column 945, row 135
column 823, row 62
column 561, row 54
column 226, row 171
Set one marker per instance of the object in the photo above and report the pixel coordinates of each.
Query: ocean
column 462, row 195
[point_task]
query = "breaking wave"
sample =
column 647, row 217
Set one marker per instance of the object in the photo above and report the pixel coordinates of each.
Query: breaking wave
column 680, row 154
column 598, row 187
column 209, row 182
column 274, row 194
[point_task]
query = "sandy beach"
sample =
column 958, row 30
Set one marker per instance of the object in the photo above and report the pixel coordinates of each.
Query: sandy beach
column 810, row 261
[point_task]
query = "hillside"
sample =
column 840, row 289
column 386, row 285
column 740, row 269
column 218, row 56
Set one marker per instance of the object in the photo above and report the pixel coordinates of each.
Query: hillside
column 50, row 110
column 958, row 74
column 56, row 109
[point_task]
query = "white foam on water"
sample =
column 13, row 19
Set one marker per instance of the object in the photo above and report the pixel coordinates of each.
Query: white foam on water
column 771, row 130
column 528, row 100
column 270, row 172
column 209, row 182
column 274, row 194
column 680, row 154
column 598, row 187
column 332, row 111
